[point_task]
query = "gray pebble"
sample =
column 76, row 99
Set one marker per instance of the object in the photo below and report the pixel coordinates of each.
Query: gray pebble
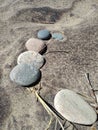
column 44, row 34
column 24, row 74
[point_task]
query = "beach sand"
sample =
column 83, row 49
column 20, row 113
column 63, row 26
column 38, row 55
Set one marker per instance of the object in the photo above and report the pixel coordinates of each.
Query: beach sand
column 77, row 20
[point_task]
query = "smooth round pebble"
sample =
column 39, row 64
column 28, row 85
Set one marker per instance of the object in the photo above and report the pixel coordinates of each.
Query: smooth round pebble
column 73, row 108
column 34, row 44
column 57, row 36
column 24, row 74
column 31, row 57
column 44, row 34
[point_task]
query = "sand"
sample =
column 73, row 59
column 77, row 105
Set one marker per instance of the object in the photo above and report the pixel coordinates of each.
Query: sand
column 77, row 20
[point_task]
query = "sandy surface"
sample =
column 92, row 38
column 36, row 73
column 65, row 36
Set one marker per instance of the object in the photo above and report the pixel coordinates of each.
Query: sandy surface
column 20, row 20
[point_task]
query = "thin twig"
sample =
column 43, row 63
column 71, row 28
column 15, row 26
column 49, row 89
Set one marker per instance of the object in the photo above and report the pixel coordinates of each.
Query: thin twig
column 73, row 125
column 56, row 124
column 48, row 109
column 92, row 91
column 51, row 110
column 50, row 122
column 93, row 127
column 61, row 51
column 64, row 125
column 67, row 127
column 87, row 98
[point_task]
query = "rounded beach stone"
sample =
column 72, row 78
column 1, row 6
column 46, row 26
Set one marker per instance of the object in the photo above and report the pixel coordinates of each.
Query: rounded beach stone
column 73, row 108
column 44, row 34
column 24, row 74
column 57, row 36
column 31, row 57
column 34, row 44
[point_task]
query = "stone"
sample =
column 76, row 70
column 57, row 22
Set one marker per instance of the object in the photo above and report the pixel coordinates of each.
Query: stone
column 31, row 57
column 24, row 74
column 57, row 36
column 34, row 44
column 44, row 34
column 73, row 108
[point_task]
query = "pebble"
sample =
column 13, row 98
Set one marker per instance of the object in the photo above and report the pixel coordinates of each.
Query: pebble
column 57, row 36
column 44, row 34
column 24, row 74
column 31, row 57
column 73, row 108
column 34, row 44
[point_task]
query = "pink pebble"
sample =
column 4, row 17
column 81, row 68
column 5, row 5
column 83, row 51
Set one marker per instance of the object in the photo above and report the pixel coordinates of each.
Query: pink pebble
column 34, row 44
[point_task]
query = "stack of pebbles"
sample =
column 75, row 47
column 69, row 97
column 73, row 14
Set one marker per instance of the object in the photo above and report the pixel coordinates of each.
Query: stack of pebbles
column 27, row 71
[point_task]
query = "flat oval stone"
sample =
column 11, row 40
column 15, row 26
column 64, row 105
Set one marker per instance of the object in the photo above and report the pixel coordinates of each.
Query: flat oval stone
column 73, row 108
column 57, row 36
column 34, row 44
column 24, row 74
column 44, row 34
column 31, row 57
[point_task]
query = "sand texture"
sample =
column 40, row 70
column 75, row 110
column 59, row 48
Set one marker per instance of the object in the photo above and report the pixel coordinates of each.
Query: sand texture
column 20, row 20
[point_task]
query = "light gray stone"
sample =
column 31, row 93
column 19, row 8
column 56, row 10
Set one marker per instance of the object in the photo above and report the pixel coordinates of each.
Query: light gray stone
column 72, row 107
column 31, row 57
column 57, row 36
column 24, row 74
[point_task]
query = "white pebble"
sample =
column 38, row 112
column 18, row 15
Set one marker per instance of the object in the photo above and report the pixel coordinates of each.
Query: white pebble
column 73, row 108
